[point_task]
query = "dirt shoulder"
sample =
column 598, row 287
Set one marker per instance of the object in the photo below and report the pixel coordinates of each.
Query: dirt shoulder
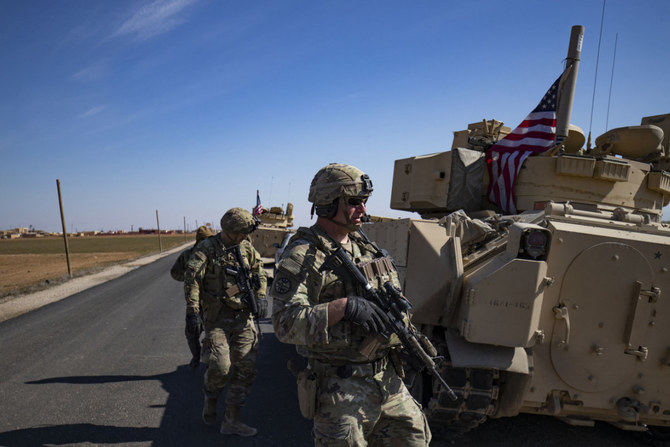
column 29, row 273
column 15, row 305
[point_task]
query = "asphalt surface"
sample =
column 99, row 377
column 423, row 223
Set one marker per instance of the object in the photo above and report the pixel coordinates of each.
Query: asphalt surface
column 109, row 366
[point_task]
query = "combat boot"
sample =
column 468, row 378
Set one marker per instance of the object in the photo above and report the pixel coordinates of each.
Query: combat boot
column 231, row 424
column 209, row 410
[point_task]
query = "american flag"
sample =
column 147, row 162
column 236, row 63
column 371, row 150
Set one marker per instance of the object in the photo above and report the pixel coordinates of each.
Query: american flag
column 534, row 135
column 258, row 209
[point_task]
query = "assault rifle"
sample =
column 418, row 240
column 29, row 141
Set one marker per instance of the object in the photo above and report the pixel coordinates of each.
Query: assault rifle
column 394, row 305
column 246, row 282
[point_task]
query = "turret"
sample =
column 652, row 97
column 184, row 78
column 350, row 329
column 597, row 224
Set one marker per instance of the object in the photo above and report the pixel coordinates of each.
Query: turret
column 625, row 170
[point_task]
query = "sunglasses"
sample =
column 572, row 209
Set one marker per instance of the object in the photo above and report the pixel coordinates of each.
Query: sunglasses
column 356, row 201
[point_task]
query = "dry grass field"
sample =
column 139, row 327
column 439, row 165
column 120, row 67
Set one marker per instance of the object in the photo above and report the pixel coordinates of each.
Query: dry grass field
column 29, row 265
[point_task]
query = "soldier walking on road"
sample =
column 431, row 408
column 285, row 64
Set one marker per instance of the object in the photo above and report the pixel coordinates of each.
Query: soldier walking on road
column 179, row 267
column 352, row 386
column 177, row 272
column 225, row 278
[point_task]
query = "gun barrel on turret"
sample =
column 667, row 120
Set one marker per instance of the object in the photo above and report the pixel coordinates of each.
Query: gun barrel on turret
column 566, row 91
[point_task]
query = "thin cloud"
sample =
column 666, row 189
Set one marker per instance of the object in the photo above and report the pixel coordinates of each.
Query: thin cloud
column 155, row 18
column 92, row 73
column 92, row 111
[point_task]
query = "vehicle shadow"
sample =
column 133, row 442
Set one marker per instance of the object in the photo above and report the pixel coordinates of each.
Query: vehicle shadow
column 272, row 407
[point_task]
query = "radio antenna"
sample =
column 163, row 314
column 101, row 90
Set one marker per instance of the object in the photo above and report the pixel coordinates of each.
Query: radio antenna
column 595, row 78
column 616, row 38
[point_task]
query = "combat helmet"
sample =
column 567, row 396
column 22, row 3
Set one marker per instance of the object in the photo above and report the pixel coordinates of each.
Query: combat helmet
column 203, row 233
column 238, row 220
column 336, row 181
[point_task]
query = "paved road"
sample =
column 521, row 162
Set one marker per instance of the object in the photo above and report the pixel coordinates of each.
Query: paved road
column 108, row 366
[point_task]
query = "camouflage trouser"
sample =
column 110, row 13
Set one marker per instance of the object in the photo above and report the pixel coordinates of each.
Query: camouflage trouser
column 365, row 409
column 230, row 352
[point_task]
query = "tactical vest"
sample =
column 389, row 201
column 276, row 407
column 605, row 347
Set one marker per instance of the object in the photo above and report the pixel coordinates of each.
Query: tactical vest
column 330, row 285
column 219, row 286
column 376, row 266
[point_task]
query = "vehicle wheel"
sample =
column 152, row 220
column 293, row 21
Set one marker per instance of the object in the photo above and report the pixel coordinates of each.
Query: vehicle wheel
column 477, row 391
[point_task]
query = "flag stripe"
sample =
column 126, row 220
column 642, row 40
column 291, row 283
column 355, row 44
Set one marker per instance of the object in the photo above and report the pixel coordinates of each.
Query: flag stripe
column 536, row 130
column 531, row 147
column 258, row 209
column 535, row 134
column 536, row 137
column 531, row 121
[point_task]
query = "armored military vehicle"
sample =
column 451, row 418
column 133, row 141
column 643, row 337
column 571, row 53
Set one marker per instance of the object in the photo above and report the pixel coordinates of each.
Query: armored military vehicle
column 560, row 308
column 275, row 225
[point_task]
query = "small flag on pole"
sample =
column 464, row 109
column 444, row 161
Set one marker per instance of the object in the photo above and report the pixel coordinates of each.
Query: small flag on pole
column 258, row 209
column 534, row 135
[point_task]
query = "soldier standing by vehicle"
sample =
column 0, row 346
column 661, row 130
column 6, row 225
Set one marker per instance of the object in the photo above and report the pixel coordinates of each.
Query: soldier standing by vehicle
column 177, row 272
column 352, row 385
column 225, row 278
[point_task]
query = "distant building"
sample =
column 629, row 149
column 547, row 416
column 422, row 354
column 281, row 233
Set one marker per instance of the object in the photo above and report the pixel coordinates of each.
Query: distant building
column 32, row 235
column 14, row 233
column 153, row 231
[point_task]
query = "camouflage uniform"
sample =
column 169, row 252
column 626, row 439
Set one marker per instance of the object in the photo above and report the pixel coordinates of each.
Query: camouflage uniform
column 179, row 267
column 231, row 339
column 177, row 272
column 360, row 399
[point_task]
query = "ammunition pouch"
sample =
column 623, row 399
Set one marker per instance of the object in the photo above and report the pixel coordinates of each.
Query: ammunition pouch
column 378, row 269
column 307, row 386
column 394, row 357
column 233, row 301
column 227, row 298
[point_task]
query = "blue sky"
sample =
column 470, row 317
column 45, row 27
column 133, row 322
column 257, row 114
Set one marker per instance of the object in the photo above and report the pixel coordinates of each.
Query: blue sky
column 189, row 106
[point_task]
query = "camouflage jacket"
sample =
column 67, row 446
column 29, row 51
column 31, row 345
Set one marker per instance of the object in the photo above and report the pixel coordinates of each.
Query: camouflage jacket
column 300, row 296
column 179, row 267
column 207, row 282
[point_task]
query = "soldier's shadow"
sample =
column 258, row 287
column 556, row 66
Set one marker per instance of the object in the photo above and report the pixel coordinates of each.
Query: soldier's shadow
column 272, row 407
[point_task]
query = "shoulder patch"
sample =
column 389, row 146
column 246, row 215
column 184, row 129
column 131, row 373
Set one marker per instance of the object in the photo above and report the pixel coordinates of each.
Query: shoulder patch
column 293, row 257
column 196, row 259
column 291, row 266
column 282, row 285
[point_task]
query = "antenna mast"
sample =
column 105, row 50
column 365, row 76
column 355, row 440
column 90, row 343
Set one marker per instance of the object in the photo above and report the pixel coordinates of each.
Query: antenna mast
column 595, row 78
column 611, row 80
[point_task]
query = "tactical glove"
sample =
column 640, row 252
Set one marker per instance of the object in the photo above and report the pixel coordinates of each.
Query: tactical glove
column 365, row 313
column 262, row 304
column 193, row 324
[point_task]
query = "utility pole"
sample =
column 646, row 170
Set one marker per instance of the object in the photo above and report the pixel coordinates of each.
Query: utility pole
column 160, row 245
column 184, row 228
column 62, row 220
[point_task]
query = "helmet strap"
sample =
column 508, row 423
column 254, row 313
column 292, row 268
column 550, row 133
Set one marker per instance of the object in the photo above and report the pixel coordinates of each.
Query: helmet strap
column 327, row 211
column 347, row 224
